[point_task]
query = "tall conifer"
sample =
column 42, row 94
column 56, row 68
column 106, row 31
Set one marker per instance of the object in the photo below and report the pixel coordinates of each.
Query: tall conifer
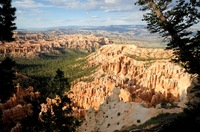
column 7, row 75
column 7, row 17
column 173, row 20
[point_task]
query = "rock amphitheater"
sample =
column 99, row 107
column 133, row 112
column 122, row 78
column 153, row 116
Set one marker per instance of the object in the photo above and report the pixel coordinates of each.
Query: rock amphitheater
column 129, row 86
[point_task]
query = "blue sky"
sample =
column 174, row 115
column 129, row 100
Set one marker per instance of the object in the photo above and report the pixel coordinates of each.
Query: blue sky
column 53, row 13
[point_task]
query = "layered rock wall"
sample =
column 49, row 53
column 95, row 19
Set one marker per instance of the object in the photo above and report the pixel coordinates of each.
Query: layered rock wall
column 29, row 45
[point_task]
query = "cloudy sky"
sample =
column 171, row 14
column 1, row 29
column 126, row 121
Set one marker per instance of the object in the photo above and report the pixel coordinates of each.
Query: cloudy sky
column 53, row 13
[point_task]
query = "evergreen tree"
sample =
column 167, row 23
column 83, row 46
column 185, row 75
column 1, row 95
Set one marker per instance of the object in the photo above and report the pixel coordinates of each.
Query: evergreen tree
column 58, row 84
column 173, row 20
column 61, row 120
column 7, row 75
column 32, row 123
column 7, row 16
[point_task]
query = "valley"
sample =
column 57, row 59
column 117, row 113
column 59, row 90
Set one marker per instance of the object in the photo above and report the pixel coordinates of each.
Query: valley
column 118, row 81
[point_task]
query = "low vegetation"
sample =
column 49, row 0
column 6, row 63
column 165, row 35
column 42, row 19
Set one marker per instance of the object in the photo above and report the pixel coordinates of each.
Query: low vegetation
column 138, row 58
column 50, row 86
column 42, row 68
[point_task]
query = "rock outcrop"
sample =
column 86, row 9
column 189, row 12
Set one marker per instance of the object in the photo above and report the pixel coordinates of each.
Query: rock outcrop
column 151, row 81
column 33, row 44
column 143, row 76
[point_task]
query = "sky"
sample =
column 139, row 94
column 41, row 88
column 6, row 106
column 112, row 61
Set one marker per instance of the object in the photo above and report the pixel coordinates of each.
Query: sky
column 54, row 13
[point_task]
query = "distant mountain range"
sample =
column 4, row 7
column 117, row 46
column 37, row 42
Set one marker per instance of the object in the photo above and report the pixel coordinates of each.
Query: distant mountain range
column 110, row 28
column 127, row 34
column 121, row 28
column 119, row 33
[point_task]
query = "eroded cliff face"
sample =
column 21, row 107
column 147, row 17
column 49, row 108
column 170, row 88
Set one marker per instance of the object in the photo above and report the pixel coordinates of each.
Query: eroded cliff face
column 128, row 88
column 145, row 78
column 152, row 80
column 31, row 45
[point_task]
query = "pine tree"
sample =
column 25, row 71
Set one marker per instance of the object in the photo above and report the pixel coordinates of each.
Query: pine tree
column 173, row 19
column 7, row 75
column 7, row 16
column 58, row 84
column 61, row 120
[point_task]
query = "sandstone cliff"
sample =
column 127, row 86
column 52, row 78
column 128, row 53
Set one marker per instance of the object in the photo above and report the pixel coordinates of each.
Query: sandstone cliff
column 145, row 78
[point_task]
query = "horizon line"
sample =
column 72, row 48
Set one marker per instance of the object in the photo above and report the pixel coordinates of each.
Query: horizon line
column 76, row 26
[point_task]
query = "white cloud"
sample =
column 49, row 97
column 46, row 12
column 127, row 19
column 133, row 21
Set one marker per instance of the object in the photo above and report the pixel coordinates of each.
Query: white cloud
column 33, row 13
column 100, row 5
column 94, row 16
column 110, row 1
column 29, row 12
column 28, row 4
column 103, row 5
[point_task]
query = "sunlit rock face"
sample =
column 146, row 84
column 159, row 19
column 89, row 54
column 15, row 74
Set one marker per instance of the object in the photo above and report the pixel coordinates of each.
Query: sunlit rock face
column 145, row 78
column 31, row 45
column 151, row 81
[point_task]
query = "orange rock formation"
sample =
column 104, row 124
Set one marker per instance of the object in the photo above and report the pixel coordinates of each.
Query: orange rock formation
column 151, row 81
column 30, row 45
column 128, row 88
column 143, row 76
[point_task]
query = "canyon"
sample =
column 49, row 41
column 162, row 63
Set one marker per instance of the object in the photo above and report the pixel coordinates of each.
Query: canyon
column 130, row 86
column 33, row 44
column 133, row 82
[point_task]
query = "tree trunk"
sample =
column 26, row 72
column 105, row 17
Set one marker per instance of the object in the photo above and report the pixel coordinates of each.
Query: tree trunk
column 176, row 38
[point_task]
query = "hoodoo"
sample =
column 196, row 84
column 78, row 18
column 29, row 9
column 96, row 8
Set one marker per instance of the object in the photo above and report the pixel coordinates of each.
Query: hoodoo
column 130, row 87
